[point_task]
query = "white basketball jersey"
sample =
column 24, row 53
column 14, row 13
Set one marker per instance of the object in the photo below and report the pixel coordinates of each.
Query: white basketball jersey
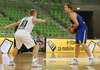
column 26, row 24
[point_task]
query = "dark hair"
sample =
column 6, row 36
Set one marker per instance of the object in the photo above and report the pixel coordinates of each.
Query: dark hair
column 69, row 6
column 32, row 12
column 50, row 35
column 38, row 33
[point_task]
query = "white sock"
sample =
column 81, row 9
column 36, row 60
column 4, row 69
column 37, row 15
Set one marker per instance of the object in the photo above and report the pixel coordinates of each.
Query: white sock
column 1, row 67
column 76, row 59
column 34, row 59
column 91, row 57
column 12, row 58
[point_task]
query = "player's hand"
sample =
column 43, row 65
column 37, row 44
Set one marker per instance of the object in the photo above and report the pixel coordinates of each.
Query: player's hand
column 72, row 30
column 4, row 28
column 46, row 20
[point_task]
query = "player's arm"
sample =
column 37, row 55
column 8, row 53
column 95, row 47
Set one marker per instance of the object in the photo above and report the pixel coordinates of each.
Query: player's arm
column 12, row 25
column 73, row 17
column 39, row 20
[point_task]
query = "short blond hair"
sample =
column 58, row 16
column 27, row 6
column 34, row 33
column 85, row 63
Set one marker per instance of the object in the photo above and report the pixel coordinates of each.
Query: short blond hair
column 32, row 12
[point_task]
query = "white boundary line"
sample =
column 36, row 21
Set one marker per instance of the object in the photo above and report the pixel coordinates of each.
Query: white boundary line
column 69, row 59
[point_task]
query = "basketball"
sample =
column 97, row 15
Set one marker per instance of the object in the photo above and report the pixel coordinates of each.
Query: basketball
column 70, row 30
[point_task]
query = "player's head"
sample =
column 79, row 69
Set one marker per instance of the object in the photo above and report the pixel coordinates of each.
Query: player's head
column 38, row 34
column 50, row 36
column 67, row 7
column 32, row 12
column 46, row 36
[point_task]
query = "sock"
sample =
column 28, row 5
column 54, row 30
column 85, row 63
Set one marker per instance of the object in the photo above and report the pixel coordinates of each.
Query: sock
column 91, row 57
column 34, row 59
column 12, row 58
column 76, row 59
column 1, row 67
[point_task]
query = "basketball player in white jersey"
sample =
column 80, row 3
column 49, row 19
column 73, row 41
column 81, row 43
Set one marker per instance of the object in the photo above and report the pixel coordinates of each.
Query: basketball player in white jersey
column 23, row 36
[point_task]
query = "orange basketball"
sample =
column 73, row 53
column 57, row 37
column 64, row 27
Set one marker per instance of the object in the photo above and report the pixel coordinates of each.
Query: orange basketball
column 70, row 30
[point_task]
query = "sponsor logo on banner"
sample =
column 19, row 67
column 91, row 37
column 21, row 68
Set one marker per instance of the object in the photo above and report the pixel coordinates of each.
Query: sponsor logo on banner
column 98, row 43
column 51, row 45
column 68, row 45
column 6, row 44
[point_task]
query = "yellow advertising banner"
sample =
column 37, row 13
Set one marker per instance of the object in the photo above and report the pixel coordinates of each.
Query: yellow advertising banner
column 61, row 51
column 68, row 45
column 7, row 44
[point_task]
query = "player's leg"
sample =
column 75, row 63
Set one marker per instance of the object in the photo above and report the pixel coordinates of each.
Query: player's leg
column 35, row 54
column 13, row 56
column 83, row 40
column 29, row 41
column 77, row 51
column 35, row 50
column 15, row 51
column 87, row 50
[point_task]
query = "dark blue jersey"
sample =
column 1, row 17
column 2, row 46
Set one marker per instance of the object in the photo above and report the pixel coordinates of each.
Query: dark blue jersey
column 80, row 21
column 82, row 30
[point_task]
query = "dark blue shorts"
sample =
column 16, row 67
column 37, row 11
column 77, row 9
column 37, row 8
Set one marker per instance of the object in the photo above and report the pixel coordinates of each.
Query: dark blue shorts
column 81, row 35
